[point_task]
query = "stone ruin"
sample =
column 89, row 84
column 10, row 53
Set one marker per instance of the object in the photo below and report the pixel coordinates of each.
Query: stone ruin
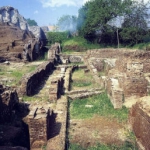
column 22, row 126
column 125, row 76
column 123, row 73
column 13, row 131
column 30, row 81
column 18, row 41
column 39, row 121
column 139, row 118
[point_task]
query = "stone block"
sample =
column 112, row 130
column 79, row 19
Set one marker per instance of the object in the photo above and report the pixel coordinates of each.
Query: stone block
column 139, row 118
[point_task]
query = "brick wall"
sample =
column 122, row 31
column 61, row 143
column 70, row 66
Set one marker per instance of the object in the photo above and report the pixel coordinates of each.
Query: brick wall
column 139, row 119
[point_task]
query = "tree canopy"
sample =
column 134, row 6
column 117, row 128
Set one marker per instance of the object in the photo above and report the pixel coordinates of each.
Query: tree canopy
column 95, row 17
column 32, row 22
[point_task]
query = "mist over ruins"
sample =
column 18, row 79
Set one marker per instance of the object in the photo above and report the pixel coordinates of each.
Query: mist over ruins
column 60, row 96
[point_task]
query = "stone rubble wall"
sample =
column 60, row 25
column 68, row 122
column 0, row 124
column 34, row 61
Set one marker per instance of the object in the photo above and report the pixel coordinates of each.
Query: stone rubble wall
column 53, row 52
column 139, row 118
column 39, row 120
column 56, row 89
column 106, row 53
column 13, row 131
column 124, row 73
column 32, row 80
column 8, row 99
column 75, row 58
column 19, row 45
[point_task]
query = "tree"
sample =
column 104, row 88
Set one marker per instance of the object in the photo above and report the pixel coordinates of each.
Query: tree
column 135, row 25
column 67, row 23
column 97, row 13
column 32, row 22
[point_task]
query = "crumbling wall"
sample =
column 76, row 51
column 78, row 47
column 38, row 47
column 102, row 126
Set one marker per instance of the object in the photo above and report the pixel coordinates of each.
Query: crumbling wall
column 13, row 131
column 31, row 81
column 53, row 52
column 106, row 53
column 56, row 89
column 74, row 58
column 39, row 122
column 123, row 73
column 139, row 118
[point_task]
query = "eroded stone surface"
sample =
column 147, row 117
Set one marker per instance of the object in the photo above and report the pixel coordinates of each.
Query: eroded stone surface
column 139, row 118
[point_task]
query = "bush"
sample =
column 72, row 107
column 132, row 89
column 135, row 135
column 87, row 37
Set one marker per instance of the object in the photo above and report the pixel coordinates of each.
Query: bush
column 78, row 44
column 57, row 37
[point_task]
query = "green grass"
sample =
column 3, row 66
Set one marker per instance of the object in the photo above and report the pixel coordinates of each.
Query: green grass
column 14, row 74
column 140, row 46
column 82, row 80
column 101, row 74
column 81, row 83
column 77, row 63
column 80, row 43
column 101, row 106
column 125, row 146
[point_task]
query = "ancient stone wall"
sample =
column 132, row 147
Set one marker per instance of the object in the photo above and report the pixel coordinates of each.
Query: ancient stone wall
column 56, row 89
column 125, row 73
column 75, row 58
column 13, row 131
column 31, row 81
column 18, row 45
column 8, row 99
column 139, row 119
column 39, row 121
column 106, row 53
column 53, row 52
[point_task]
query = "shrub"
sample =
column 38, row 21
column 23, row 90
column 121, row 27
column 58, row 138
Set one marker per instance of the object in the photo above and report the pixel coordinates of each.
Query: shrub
column 56, row 37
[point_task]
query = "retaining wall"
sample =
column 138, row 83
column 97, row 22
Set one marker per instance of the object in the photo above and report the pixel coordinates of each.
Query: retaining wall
column 32, row 80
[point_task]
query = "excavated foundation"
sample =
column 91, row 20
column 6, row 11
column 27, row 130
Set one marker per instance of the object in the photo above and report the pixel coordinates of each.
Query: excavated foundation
column 44, row 118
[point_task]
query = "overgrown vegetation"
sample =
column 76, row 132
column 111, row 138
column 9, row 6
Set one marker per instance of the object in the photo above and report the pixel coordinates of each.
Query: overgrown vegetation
column 101, row 106
column 125, row 146
column 105, row 23
column 78, row 44
column 57, row 37
column 101, row 109
column 82, row 80
column 11, row 76
column 31, row 22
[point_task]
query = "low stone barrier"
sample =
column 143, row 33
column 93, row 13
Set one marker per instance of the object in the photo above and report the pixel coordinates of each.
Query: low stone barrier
column 31, row 81
column 74, row 58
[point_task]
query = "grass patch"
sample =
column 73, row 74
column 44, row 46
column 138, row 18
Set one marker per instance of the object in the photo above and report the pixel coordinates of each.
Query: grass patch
column 14, row 75
column 29, row 98
column 77, row 63
column 77, row 44
column 101, row 74
column 125, row 146
column 101, row 106
column 81, row 80
column 81, row 83
column 17, row 74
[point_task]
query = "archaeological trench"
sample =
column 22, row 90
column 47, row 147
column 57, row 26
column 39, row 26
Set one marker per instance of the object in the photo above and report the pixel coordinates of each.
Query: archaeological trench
column 34, row 110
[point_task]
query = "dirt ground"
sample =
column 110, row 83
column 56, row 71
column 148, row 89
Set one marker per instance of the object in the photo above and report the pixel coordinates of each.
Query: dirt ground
column 96, row 130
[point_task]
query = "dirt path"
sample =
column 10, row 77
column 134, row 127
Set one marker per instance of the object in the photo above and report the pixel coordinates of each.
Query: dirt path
column 98, row 129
